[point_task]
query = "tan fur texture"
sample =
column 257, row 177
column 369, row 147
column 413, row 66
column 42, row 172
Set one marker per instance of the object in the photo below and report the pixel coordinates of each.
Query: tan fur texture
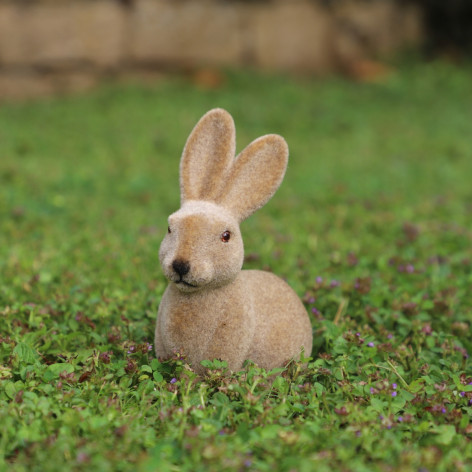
column 211, row 308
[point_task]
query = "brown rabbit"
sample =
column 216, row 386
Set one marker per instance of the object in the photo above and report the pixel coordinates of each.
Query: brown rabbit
column 211, row 308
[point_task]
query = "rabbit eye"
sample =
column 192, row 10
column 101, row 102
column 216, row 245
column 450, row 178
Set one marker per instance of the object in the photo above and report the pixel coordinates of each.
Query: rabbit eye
column 168, row 230
column 225, row 237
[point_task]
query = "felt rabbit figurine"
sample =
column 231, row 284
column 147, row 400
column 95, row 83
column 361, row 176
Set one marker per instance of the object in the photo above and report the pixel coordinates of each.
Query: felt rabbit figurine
column 211, row 308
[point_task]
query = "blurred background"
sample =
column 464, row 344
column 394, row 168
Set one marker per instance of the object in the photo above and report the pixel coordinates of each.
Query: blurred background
column 49, row 46
column 98, row 97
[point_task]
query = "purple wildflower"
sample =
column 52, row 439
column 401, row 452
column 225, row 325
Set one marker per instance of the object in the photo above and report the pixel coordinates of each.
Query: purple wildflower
column 105, row 357
column 394, row 386
column 82, row 457
column 426, row 329
column 389, row 336
column 394, row 394
column 173, row 380
column 334, row 283
column 319, row 280
column 462, row 394
column 400, row 419
column 410, row 268
column 315, row 311
column 371, row 344
column 372, row 390
column 311, row 300
column 443, row 410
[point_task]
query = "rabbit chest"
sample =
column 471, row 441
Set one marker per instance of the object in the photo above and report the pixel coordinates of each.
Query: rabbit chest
column 209, row 324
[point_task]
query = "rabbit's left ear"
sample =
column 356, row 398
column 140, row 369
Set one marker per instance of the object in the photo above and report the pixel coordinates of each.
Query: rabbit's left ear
column 255, row 175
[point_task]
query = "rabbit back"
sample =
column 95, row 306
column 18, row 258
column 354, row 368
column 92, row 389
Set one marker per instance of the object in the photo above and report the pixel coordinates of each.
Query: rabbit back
column 282, row 326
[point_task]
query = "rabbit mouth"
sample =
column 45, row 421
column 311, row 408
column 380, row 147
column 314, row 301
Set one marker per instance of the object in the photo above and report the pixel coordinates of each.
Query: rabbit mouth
column 187, row 284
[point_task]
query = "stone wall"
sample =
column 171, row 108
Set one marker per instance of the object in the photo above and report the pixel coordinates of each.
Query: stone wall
column 54, row 45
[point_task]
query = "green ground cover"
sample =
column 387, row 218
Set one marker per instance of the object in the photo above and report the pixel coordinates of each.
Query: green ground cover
column 372, row 227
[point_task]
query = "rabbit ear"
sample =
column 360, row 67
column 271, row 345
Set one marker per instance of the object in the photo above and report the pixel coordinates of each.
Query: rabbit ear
column 255, row 175
column 207, row 156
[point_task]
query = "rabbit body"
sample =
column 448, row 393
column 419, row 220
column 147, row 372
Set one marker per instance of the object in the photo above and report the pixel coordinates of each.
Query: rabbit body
column 211, row 308
column 256, row 317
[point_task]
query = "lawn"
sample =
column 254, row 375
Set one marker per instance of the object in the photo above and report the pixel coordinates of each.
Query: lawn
column 372, row 228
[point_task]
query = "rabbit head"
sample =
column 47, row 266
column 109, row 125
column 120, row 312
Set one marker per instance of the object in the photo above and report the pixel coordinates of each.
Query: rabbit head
column 203, row 247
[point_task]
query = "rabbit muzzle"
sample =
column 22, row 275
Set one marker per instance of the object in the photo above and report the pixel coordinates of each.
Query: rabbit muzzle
column 182, row 268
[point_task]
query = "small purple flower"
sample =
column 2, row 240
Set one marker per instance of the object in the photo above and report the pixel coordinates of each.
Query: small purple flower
column 82, row 457
column 372, row 390
column 319, row 280
column 311, row 300
column 247, row 463
column 131, row 349
column 334, row 283
column 371, row 344
column 173, row 380
column 389, row 336
column 358, row 334
column 394, row 386
column 105, row 357
column 381, row 417
column 149, row 346
column 394, row 394
column 443, row 410
column 315, row 311
column 221, row 433
column 400, row 419
column 410, row 268
column 462, row 394
column 470, row 383
column 358, row 434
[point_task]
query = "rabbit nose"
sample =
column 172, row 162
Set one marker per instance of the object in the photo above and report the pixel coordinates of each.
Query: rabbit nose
column 181, row 267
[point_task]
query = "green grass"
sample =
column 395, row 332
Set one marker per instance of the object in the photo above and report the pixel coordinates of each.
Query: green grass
column 372, row 227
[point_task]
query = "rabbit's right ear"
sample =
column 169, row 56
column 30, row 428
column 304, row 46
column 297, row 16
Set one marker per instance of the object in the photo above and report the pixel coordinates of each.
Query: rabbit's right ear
column 207, row 156
column 255, row 175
